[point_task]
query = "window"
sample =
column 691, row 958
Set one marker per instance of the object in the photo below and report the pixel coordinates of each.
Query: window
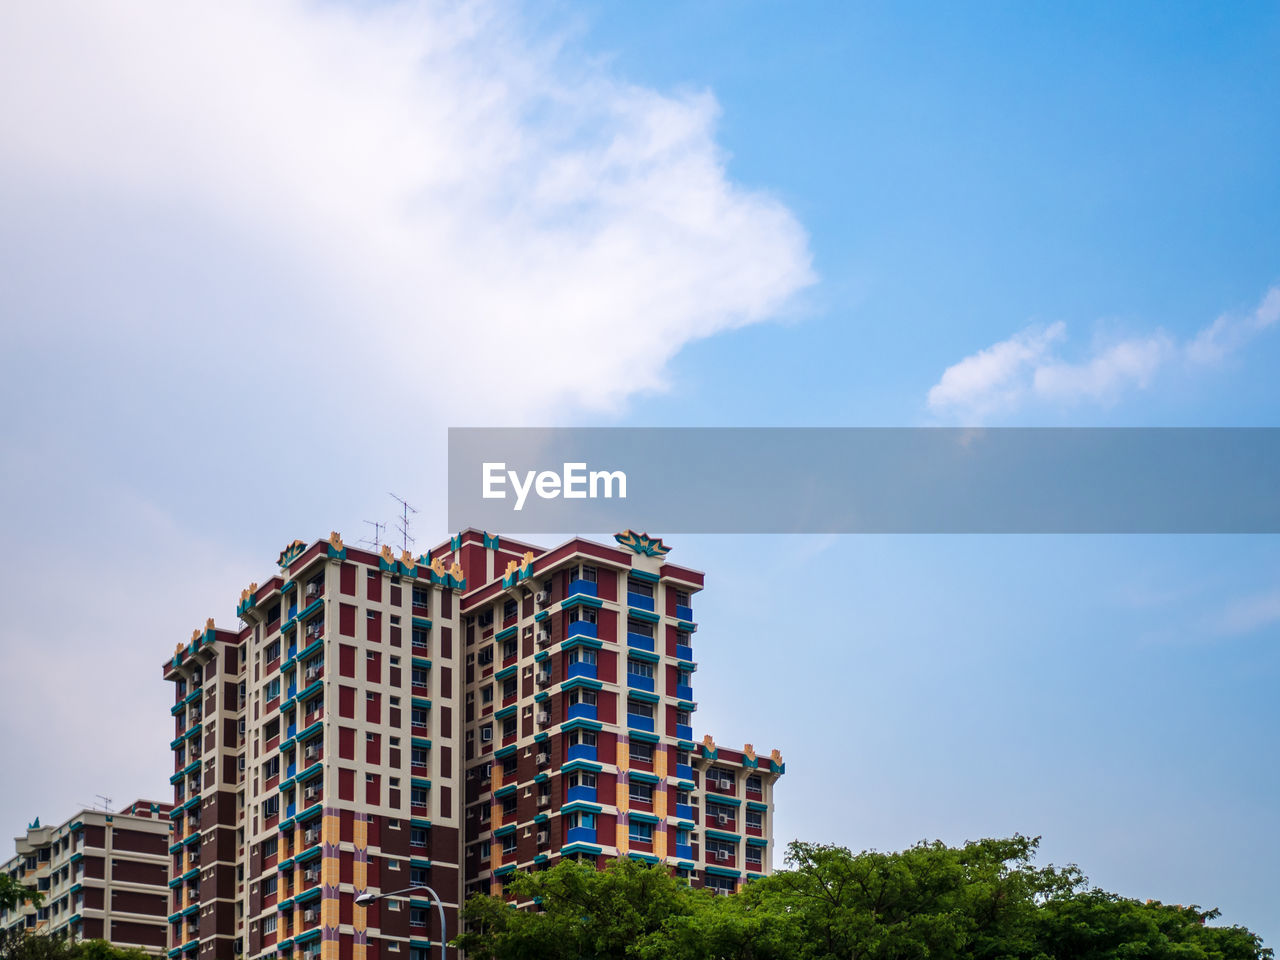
column 582, row 613
column 584, row 572
column 640, row 708
column 269, row 885
column 509, row 726
column 418, row 756
column 582, row 655
column 721, row 777
column 269, row 924
column 509, row 843
column 395, row 661
column 509, row 648
column 272, row 689
column 273, row 650
column 639, row 587
column 269, row 847
column 640, row 668
column 486, row 656
column 683, row 718
column 417, row 917
column 642, row 832
column 418, row 836
column 418, row 796
column 582, row 819
column 584, row 737
column 641, row 751
column 270, row 807
column 582, row 778
column 754, row 783
column 641, row 628
column 509, row 609
column 418, row 716
column 755, row 820
column 486, row 733
column 754, row 857
column 419, row 876
column 420, row 637
column 642, row 792
column 486, row 693
column 421, row 596
column 682, row 598
column 420, row 676
column 271, row 768
column 580, row 695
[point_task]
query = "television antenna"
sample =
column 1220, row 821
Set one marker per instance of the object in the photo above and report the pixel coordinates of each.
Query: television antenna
column 402, row 524
column 376, row 540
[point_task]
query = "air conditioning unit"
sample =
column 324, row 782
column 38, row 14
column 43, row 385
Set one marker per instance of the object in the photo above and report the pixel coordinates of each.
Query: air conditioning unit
column 310, row 793
column 544, row 800
column 544, row 718
column 722, row 855
column 543, row 759
column 544, row 637
column 486, row 734
column 311, row 876
column 311, row 836
column 722, row 818
column 544, row 836
column 311, row 752
column 312, row 673
column 313, row 589
column 542, row 597
column 311, row 916
column 544, row 679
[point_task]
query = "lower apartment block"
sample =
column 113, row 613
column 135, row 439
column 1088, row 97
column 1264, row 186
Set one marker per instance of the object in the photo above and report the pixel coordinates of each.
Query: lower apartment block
column 407, row 726
column 102, row 876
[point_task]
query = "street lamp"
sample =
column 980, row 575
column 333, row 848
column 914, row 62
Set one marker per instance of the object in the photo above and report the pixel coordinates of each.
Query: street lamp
column 366, row 898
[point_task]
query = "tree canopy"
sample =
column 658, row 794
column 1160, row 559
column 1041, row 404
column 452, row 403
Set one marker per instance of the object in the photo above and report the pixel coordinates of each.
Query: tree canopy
column 985, row 899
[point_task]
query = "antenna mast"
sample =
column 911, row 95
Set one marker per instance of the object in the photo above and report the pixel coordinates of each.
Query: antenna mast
column 402, row 524
column 377, row 534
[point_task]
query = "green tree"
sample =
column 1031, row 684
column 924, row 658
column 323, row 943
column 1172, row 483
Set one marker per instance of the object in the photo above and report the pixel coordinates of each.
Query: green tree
column 21, row 945
column 13, row 894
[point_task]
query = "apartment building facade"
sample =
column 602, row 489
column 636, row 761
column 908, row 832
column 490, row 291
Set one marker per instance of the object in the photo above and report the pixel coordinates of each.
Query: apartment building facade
column 383, row 723
column 103, row 876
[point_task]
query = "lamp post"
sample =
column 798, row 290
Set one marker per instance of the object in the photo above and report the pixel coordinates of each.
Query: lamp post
column 366, row 898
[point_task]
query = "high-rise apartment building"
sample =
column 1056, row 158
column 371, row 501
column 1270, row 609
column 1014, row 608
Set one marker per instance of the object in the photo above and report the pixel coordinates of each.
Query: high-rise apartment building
column 382, row 723
column 103, row 876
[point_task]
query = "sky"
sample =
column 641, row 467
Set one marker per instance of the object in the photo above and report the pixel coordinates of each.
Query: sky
column 255, row 259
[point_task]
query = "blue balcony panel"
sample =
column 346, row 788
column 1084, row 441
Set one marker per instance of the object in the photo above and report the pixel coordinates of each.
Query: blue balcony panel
column 684, row 811
column 684, row 691
column 582, row 669
column 585, row 711
column 637, row 682
column 639, row 601
column 582, row 793
column 582, row 628
column 684, row 851
column 585, row 587
column 684, row 652
column 683, row 612
column 640, row 642
column 581, row 834
column 582, row 751
column 684, row 771
column 684, row 731
column 640, row 723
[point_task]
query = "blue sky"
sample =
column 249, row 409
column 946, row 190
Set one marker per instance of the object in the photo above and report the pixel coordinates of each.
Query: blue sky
column 228, row 300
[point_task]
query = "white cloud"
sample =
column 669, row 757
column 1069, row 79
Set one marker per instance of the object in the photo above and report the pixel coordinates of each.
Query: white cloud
column 1250, row 614
column 1003, row 376
column 994, row 378
column 442, row 178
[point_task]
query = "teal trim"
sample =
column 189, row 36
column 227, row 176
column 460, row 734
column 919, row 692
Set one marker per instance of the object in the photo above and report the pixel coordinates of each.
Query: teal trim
column 586, row 682
column 307, row 897
column 581, row 641
column 686, row 745
column 175, row 916
column 722, row 800
column 687, row 705
column 579, row 847
column 285, row 905
column 77, row 857
column 176, row 881
column 686, row 785
column 506, row 672
column 687, row 664
column 505, row 831
column 540, row 656
column 285, row 865
column 541, row 818
column 312, row 771
column 644, row 575
column 308, row 855
column 723, row 872
column 586, row 806
column 641, row 776
column 644, row 736
column 194, row 908
column 310, row 608
column 581, row 600
column 506, row 791
column 643, row 817
column 421, row 662
column 508, row 632
column 420, row 742
column 644, row 696
column 541, row 737
column 579, row 723
column 420, row 702
column 193, row 839
column 540, row 858
column 420, row 822
column 635, row 613
column 505, row 752
column 635, row 654
column 504, row 870
column 643, row 857
column 757, row 805
column 420, row 862
column 722, row 835
column 542, row 778
column 287, row 586
column 571, row 765
column 687, row 626
column 506, row 712
column 757, row 842
column 540, row 696
column 684, row 865
column 307, row 937
column 541, row 615
column 420, row 782
column 421, row 622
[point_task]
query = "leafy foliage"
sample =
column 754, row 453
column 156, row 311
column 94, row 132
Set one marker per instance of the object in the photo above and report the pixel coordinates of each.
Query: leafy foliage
column 21, row 945
column 984, row 900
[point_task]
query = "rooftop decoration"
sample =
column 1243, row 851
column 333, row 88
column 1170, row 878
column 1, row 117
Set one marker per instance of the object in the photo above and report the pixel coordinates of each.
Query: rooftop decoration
column 642, row 543
column 291, row 553
column 337, row 549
